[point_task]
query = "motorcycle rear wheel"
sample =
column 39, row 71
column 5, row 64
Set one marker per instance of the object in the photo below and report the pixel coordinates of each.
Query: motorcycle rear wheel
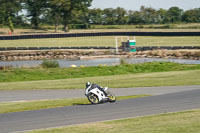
column 93, row 98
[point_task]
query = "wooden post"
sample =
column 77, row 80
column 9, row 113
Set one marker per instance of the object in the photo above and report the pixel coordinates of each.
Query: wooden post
column 116, row 45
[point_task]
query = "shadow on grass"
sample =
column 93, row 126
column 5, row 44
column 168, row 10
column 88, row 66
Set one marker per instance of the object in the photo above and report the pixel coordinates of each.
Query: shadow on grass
column 74, row 104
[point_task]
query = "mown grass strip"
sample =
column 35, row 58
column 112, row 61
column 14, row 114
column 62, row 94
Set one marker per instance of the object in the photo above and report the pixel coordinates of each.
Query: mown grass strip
column 101, row 41
column 7, row 107
column 150, row 27
column 21, row 74
column 180, row 122
column 189, row 27
column 172, row 78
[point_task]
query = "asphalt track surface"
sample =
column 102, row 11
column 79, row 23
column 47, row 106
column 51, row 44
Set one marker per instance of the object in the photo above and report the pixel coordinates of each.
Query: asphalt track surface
column 7, row 96
column 63, row 116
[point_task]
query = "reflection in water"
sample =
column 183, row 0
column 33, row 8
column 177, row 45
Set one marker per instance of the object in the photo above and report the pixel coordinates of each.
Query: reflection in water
column 94, row 62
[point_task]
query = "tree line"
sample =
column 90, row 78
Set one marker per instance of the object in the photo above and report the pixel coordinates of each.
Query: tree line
column 66, row 12
column 146, row 15
column 36, row 12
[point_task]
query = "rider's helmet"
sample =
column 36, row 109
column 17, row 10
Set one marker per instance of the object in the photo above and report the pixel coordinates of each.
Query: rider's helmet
column 88, row 84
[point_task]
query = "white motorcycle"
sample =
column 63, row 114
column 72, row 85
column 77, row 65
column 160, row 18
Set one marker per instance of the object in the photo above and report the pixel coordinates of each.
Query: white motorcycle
column 96, row 96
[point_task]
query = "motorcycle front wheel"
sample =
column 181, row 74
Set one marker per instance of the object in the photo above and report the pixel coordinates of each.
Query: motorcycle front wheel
column 111, row 97
column 93, row 98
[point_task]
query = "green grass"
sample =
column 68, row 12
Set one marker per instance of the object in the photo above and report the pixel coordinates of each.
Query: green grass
column 59, row 42
column 150, row 26
column 50, row 64
column 171, row 78
column 168, row 41
column 189, row 27
column 8, row 107
column 180, row 122
column 102, row 41
column 145, row 74
column 22, row 74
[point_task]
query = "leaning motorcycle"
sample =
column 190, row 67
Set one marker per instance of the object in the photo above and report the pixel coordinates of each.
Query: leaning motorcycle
column 96, row 96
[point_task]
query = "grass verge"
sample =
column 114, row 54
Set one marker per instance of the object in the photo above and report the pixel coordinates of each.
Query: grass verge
column 189, row 27
column 7, row 107
column 22, row 74
column 172, row 78
column 151, row 26
column 180, row 122
column 102, row 41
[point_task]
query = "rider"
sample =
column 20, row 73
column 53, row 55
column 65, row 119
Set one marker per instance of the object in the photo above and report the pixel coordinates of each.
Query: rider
column 92, row 86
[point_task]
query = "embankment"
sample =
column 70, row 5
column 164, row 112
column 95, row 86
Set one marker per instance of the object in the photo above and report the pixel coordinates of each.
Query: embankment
column 89, row 54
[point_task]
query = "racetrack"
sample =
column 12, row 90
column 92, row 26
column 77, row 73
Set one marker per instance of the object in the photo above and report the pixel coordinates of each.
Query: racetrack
column 21, row 95
column 170, row 102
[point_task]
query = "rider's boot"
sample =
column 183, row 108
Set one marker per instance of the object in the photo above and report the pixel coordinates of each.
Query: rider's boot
column 104, row 92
